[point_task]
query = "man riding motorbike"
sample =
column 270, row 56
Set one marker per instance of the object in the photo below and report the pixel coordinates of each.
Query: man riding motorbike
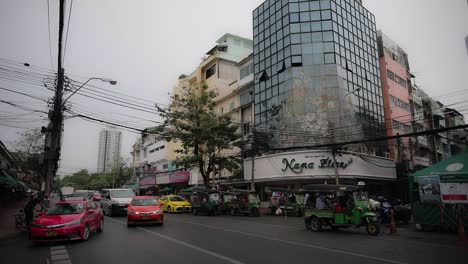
column 34, row 200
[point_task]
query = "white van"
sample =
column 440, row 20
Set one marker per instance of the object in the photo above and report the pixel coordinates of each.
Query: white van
column 116, row 201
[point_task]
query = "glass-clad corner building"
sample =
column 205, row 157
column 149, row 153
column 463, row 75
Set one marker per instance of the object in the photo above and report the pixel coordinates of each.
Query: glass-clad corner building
column 317, row 75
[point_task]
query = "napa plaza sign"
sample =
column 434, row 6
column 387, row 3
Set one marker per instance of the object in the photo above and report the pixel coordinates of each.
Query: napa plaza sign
column 319, row 165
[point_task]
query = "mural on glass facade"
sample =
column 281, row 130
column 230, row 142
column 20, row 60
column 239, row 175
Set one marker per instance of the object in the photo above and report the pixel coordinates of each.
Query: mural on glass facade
column 317, row 76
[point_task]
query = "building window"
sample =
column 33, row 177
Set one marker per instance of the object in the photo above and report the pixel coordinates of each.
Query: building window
column 222, row 110
column 246, row 71
column 392, row 76
column 165, row 166
column 210, row 71
column 246, row 128
column 231, row 106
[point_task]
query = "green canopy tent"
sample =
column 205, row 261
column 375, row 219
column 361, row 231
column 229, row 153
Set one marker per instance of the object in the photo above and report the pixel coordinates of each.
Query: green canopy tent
column 425, row 193
column 166, row 189
column 7, row 180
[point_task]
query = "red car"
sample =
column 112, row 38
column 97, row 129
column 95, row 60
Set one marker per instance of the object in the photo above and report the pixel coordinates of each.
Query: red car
column 68, row 220
column 144, row 210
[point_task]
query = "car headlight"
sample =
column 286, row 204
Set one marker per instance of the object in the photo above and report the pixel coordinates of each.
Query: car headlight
column 74, row 223
column 157, row 212
column 133, row 212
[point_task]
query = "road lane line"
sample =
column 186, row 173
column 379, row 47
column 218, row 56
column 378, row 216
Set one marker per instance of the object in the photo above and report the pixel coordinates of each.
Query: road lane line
column 197, row 248
column 59, row 255
column 297, row 243
column 366, row 237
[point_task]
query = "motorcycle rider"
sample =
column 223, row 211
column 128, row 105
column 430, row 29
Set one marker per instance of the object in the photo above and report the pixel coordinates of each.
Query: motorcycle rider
column 34, row 200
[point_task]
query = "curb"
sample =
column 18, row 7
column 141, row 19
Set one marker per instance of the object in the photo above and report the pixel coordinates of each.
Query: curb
column 12, row 235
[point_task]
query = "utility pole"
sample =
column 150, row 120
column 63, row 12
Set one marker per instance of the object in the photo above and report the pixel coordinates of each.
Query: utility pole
column 252, row 183
column 54, row 136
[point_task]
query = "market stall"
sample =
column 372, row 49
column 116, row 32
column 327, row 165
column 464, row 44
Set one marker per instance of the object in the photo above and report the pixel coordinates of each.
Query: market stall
column 439, row 194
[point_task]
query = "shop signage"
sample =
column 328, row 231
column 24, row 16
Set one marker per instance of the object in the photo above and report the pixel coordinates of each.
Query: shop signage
column 324, row 163
column 429, row 188
column 179, row 176
column 453, row 192
column 147, row 180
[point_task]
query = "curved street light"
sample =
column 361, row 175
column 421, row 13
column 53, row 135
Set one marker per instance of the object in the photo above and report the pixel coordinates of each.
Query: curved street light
column 112, row 82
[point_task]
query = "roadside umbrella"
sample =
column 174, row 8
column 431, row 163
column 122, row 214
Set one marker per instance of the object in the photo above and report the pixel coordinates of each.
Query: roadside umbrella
column 189, row 189
column 166, row 189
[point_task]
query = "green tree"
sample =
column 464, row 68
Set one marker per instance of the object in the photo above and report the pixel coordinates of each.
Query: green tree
column 78, row 180
column 29, row 151
column 204, row 136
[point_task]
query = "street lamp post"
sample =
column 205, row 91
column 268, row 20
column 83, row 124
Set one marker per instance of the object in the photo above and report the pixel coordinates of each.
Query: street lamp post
column 335, row 164
column 112, row 82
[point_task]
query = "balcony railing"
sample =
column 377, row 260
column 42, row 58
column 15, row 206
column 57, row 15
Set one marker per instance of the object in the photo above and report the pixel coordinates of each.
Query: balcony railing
column 421, row 161
column 422, row 141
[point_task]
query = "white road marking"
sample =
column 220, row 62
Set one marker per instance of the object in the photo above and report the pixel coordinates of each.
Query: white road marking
column 58, row 252
column 297, row 243
column 59, row 255
column 208, row 252
column 367, row 237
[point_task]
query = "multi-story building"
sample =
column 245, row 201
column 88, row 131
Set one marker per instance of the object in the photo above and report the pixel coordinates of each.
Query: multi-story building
column 110, row 141
column 457, row 139
column 396, row 84
column 421, row 149
column 317, row 81
column 317, row 74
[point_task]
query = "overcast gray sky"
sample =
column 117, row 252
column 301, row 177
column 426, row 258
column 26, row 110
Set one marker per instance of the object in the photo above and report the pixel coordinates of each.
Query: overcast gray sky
column 146, row 44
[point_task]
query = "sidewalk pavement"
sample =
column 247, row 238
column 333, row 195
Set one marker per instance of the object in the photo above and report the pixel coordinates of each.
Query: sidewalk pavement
column 7, row 223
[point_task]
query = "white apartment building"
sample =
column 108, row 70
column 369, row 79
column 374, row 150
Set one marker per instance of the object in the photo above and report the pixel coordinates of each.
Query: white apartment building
column 110, row 141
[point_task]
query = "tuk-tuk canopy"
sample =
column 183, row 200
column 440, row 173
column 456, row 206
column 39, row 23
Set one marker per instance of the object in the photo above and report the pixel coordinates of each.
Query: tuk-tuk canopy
column 241, row 191
column 328, row 188
column 454, row 168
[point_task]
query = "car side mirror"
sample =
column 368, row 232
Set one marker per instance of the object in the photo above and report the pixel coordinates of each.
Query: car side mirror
column 91, row 211
column 40, row 213
column 97, row 199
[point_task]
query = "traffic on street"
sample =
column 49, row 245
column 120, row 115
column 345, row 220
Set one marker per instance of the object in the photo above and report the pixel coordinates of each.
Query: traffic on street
column 242, row 132
column 226, row 239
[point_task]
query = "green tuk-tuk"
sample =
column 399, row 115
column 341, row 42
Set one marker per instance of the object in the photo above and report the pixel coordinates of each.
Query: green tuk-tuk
column 204, row 200
column 292, row 201
column 228, row 202
column 350, row 207
column 246, row 203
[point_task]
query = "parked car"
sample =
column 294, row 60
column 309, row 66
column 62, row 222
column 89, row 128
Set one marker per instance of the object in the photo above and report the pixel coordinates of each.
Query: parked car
column 96, row 197
column 68, row 220
column 78, row 195
column 116, row 201
column 175, row 203
column 145, row 210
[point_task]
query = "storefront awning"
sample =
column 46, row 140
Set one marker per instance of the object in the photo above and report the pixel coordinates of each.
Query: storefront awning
column 455, row 168
column 7, row 180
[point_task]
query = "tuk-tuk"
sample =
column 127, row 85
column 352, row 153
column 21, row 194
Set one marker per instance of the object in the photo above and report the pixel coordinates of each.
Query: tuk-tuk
column 246, row 203
column 204, row 200
column 346, row 206
column 292, row 201
column 228, row 202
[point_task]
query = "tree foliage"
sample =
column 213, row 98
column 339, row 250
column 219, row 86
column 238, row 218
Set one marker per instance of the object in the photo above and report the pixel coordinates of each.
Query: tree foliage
column 29, row 152
column 204, row 136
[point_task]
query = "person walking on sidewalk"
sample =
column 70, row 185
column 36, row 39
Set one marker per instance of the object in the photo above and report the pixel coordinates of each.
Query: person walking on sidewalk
column 34, row 200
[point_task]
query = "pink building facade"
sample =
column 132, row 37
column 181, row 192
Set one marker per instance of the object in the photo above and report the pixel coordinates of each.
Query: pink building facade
column 396, row 84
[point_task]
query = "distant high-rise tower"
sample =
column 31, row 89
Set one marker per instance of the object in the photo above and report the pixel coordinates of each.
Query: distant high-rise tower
column 466, row 42
column 109, row 150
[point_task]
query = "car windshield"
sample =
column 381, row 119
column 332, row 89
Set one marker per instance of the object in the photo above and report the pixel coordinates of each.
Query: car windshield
column 66, row 209
column 176, row 199
column 79, row 194
column 122, row 194
column 144, row 202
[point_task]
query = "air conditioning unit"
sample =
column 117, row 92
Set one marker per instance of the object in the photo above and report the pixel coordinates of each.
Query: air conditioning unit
column 386, row 155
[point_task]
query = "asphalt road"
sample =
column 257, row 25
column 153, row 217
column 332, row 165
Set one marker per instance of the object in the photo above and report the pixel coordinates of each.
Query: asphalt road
column 225, row 239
